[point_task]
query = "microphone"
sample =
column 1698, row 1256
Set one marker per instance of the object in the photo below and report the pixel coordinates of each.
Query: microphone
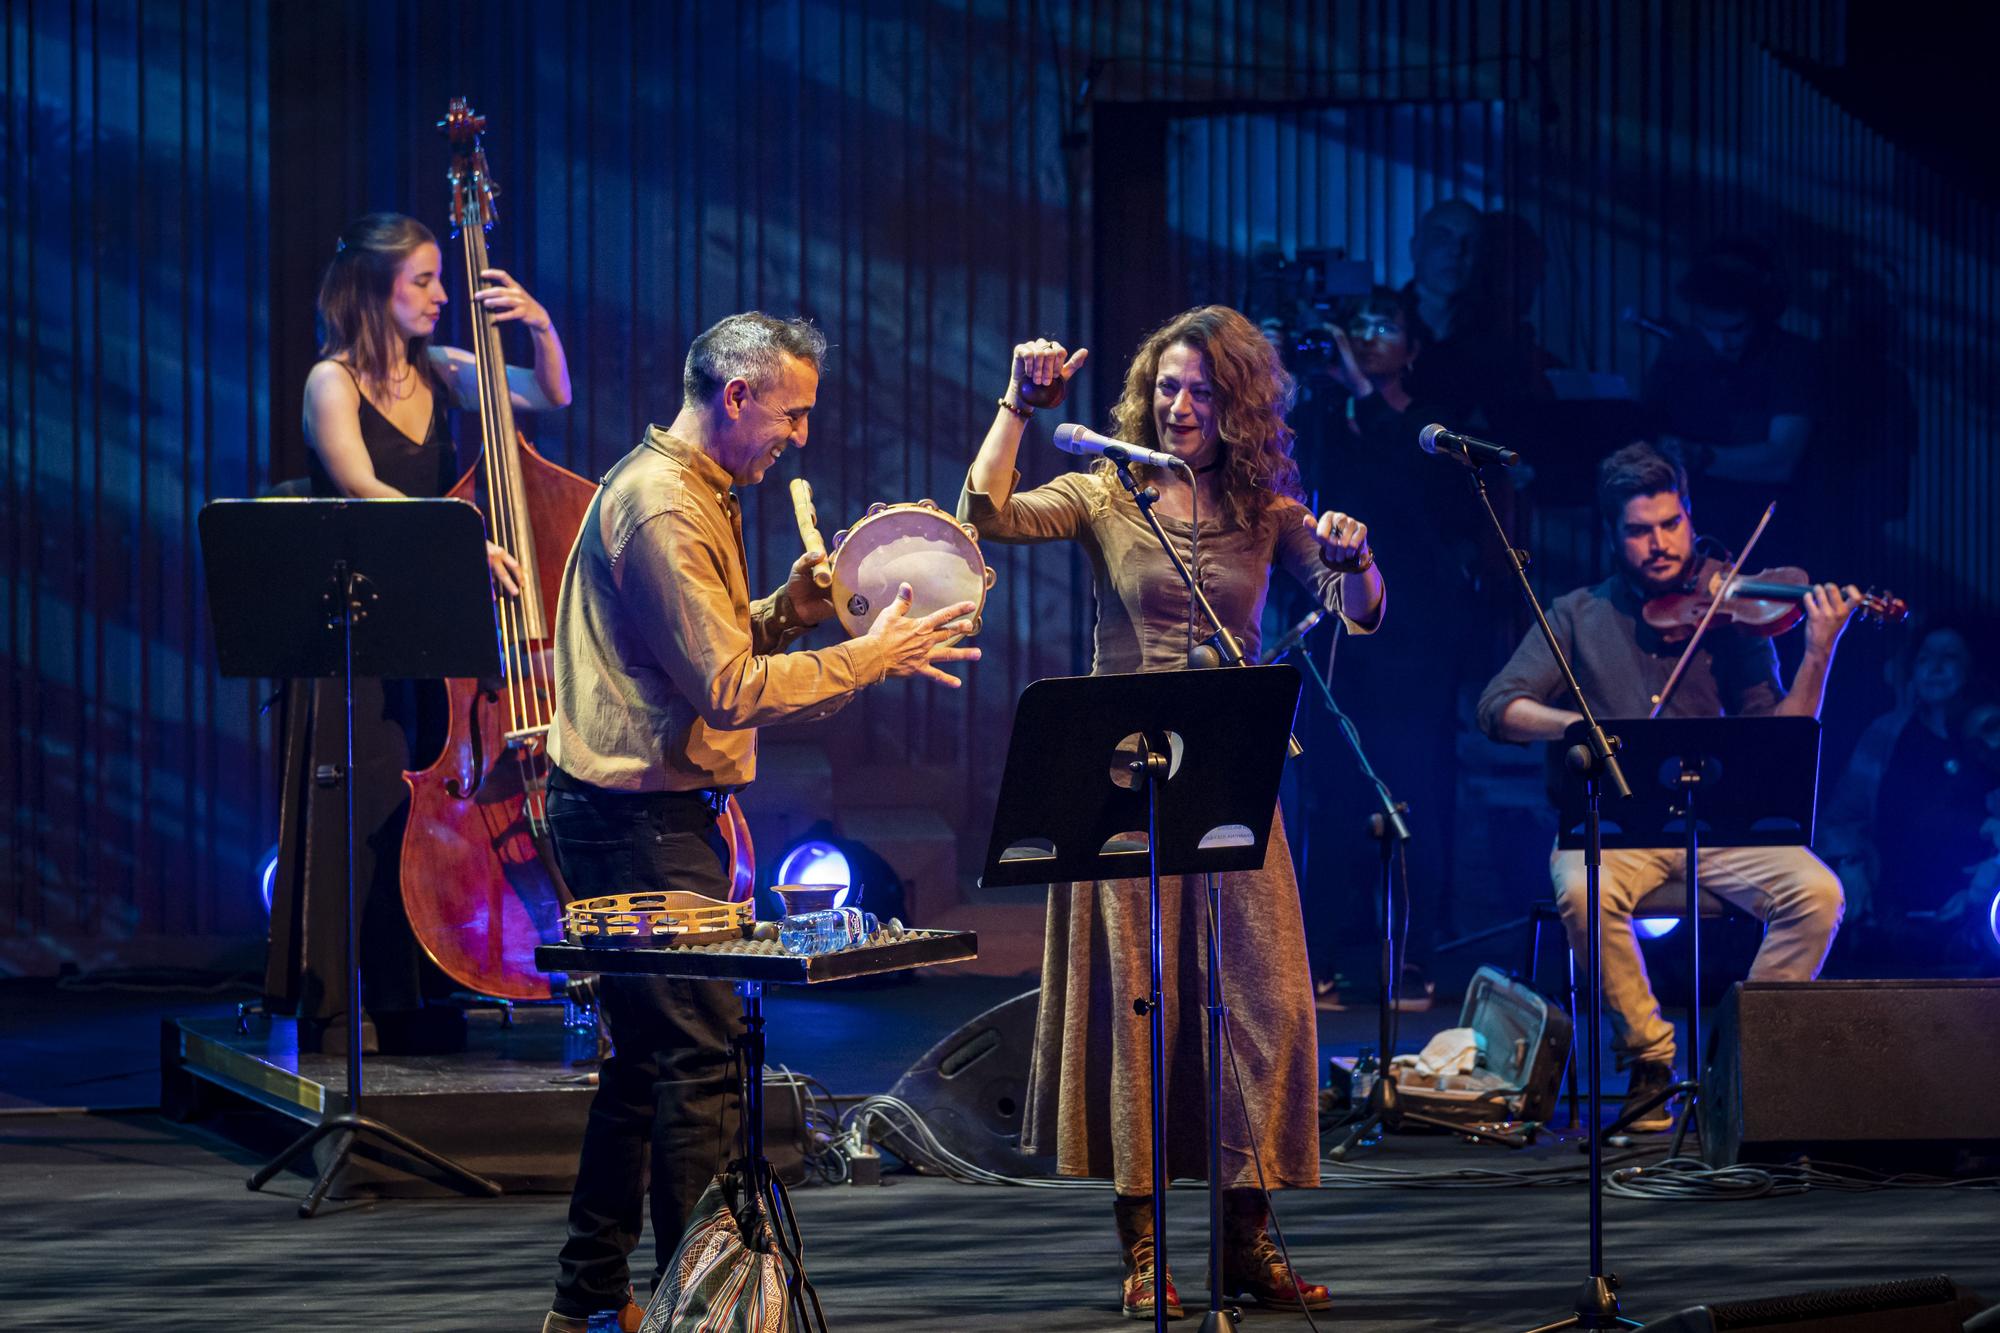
column 1638, row 319
column 1435, row 439
column 1074, row 439
column 1291, row 639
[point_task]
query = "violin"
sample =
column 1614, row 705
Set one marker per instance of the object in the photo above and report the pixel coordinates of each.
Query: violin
column 1765, row 604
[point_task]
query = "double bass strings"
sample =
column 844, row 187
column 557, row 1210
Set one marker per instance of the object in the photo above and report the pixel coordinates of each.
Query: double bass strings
column 471, row 229
column 525, row 672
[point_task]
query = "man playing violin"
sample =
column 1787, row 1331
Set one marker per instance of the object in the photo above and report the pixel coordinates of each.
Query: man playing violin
column 1622, row 663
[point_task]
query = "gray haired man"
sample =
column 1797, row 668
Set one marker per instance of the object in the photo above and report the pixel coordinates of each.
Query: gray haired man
column 664, row 670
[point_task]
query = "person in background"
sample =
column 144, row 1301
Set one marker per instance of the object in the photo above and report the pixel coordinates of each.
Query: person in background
column 1905, row 825
column 1737, row 397
column 1444, row 254
column 1477, row 275
column 1404, row 694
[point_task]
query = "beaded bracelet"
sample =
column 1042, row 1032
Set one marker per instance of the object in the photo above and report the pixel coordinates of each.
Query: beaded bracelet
column 1018, row 409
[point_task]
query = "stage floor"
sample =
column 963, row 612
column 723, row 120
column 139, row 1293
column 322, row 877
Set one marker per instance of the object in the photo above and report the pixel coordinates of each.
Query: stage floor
column 131, row 1221
column 115, row 1219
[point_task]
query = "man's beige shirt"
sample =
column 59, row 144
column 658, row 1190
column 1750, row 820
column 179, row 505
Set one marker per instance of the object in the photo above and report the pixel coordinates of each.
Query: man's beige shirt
column 664, row 667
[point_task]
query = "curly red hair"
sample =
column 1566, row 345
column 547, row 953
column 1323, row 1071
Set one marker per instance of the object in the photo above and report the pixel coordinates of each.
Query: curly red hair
column 1253, row 392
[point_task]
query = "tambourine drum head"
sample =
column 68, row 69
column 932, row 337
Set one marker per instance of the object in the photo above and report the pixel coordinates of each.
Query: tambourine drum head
column 911, row 544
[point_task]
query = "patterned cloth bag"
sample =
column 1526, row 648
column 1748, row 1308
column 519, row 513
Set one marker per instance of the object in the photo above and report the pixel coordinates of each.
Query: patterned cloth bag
column 730, row 1274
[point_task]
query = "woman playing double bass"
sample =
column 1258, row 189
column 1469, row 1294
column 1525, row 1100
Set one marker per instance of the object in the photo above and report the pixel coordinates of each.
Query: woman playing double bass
column 376, row 427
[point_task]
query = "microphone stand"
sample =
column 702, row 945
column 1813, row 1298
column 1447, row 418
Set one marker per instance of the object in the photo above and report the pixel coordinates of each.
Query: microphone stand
column 1146, row 497
column 1220, row 1318
column 1596, row 761
column 1392, row 835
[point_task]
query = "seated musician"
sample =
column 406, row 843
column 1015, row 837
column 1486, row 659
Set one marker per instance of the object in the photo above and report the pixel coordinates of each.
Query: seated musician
column 1621, row 663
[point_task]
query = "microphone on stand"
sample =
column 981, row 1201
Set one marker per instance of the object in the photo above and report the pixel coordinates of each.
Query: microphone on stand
column 1074, row 439
column 1467, row 449
column 1290, row 639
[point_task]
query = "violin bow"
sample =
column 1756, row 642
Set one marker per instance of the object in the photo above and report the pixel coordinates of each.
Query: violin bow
column 1721, row 590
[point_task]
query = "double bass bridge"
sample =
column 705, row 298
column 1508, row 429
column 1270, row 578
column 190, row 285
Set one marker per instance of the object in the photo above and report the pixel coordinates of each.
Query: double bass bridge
column 534, row 739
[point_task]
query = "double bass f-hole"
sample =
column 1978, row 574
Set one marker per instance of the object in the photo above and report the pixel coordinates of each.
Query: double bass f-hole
column 466, row 786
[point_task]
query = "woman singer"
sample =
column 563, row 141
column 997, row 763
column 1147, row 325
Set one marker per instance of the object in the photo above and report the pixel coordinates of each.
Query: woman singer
column 1208, row 388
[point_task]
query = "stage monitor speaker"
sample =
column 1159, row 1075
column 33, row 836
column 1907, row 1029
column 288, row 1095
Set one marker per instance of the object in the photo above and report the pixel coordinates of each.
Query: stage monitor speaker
column 971, row 1089
column 1913, row 1305
column 1892, row 1074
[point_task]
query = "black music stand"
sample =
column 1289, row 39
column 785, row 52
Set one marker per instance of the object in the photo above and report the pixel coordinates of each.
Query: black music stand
column 1726, row 781
column 350, row 588
column 1192, row 758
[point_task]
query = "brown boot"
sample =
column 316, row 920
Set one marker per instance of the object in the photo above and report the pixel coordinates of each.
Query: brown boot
column 1252, row 1264
column 630, row 1316
column 1135, row 1239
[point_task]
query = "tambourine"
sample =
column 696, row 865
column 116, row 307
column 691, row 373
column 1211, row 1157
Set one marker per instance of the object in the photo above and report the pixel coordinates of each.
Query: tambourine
column 915, row 543
column 654, row 920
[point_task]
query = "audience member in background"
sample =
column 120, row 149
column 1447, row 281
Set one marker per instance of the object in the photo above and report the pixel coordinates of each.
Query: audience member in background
column 1477, row 275
column 1905, row 826
column 1444, row 253
column 1735, row 395
column 1860, row 480
column 1376, row 342
column 1405, row 697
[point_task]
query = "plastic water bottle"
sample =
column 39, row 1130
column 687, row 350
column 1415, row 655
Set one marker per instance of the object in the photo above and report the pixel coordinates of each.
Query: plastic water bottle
column 825, row 931
column 580, row 1031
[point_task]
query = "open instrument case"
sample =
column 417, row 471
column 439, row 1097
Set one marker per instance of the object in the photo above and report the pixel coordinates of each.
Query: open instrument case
column 1526, row 1043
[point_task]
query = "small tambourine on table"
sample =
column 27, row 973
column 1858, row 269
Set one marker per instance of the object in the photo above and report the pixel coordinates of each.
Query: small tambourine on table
column 915, row 543
column 654, row 920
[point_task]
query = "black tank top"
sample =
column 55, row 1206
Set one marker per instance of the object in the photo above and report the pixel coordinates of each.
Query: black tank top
column 422, row 469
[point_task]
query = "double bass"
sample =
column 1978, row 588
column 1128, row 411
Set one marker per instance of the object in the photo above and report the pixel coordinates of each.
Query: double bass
column 479, row 875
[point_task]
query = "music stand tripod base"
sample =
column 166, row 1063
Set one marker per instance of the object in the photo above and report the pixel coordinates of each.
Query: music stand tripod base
column 349, row 1126
column 348, row 589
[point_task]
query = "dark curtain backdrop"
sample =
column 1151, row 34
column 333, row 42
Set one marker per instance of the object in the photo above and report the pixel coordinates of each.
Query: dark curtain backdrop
column 136, row 385
column 919, row 178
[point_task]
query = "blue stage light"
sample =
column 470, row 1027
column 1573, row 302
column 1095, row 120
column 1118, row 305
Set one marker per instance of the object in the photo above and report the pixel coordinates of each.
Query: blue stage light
column 1993, row 919
column 1653, row 927
column 267, row 876
column 817, row 862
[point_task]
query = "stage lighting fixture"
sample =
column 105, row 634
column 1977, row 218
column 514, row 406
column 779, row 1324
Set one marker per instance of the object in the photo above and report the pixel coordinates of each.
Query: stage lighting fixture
column 1653, row 927
column 822, row 856
column 1993, row 919
column 267, row 876
column 817, row 861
